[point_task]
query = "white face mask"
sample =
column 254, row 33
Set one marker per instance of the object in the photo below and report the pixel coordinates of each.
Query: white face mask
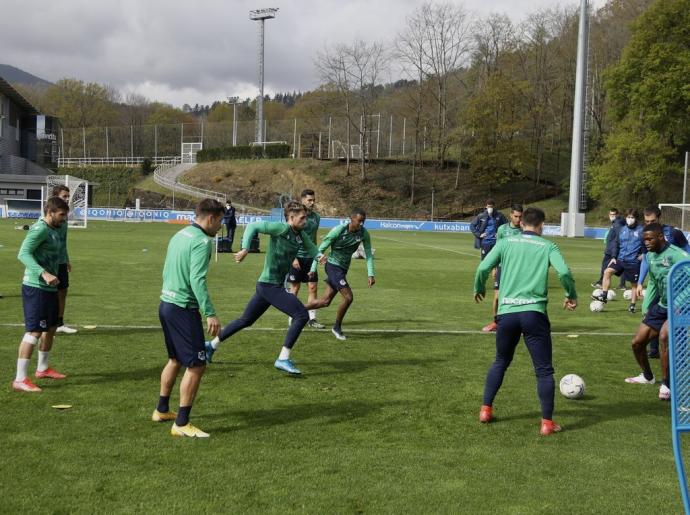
column 630, row 221
column 612, row 217
column 490, row 210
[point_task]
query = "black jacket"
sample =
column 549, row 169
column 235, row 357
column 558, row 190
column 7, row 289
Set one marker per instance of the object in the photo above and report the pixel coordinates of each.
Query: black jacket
column 479, row 223
column 229, row 217
column 612, row 236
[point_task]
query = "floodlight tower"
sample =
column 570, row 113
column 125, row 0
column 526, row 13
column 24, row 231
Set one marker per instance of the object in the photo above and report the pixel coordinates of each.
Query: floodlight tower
column 261, row 15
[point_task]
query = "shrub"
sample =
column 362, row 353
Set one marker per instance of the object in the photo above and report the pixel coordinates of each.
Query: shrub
column 272, row 151
column 147, row 166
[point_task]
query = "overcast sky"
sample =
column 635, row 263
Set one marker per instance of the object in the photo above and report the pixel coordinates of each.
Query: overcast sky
column 198, row 51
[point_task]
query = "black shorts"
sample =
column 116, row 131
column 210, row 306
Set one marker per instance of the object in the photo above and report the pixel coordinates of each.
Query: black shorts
column 302, row 275
column 485, row 249
column 63, row 277
column 630, row 270
column 40, row 309
column 655, row 317
column 184, row 334
column 336, row 277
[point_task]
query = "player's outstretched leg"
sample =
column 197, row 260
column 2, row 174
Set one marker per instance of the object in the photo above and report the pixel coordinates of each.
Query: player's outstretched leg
column 639, row 348
column 508, row 335
column 291, row 306
column 256, row 307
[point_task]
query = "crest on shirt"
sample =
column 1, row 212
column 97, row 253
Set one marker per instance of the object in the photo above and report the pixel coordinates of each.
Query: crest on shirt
column 665, row 262
column 299, row 240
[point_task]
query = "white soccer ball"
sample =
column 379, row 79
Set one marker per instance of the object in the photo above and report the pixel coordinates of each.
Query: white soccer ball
column 596, row 306
column 611, row 295
column 572, row 386
column 597, row 292
column 627, row 294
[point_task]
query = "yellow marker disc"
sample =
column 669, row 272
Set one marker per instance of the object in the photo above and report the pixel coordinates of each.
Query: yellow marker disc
column 90, row 326
column 62, row 406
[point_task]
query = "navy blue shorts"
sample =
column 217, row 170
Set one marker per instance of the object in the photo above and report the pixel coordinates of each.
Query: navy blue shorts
column 485, row 249
column 40, row 309
column 336, row 277
column 302, row 275
column 655, row 317
column 63, row 277
column 184, row 334
column 630, row 270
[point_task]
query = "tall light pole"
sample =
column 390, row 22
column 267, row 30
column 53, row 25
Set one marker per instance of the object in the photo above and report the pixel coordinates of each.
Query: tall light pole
column 261, row 15
column 233, row 101
column 574, row 223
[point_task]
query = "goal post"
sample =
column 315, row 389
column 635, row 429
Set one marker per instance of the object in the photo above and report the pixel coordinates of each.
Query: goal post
column 677, row 215
column 78, row 197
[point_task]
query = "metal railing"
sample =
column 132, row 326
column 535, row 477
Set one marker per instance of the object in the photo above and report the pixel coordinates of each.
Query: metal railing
column 177, row 187
column 87, row 161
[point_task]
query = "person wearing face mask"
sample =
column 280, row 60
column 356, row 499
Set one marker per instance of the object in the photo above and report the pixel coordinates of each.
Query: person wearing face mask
column 628, row 253
column 617, row 223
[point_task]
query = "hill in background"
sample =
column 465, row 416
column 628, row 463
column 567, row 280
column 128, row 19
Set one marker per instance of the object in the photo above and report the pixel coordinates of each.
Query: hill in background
column 16, row 76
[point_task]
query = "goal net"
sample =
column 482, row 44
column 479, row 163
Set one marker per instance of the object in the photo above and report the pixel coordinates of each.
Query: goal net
column 677, row 215
column 78, row 197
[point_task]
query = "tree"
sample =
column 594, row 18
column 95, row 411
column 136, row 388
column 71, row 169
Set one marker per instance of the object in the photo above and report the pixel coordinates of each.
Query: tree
column 80, row 104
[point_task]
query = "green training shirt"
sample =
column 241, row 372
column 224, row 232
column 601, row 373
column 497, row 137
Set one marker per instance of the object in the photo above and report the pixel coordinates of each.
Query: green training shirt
column 525, row 259
column 311, row 230
column 185, row 269
column 343, row 244
column 507, row 230
column 659, row 266
column 62, row 234
column 282, row 249
column 40, row 252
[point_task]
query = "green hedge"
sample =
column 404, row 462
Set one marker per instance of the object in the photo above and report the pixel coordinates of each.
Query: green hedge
column 272, row 151
column 111, row 184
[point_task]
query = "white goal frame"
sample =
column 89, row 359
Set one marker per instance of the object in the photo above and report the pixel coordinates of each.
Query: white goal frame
column 78, row 197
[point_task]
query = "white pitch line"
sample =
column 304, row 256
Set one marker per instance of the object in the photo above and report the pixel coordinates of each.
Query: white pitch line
column 360, row 331
column 429, row 246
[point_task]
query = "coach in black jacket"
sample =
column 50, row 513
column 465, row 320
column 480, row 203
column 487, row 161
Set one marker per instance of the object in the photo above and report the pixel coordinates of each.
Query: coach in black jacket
column 485, row 225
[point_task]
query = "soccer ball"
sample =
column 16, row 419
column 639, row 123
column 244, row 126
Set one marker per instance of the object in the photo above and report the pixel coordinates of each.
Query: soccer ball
column 611, row 295
column 627, row 294
column 572, row 386
column 596, row 306
column 597, row 292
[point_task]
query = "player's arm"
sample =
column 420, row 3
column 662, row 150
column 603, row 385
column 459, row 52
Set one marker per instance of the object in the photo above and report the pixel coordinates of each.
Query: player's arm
column 312, row 249
column 490, row 261
column 370, row 258
column 564, row 275
column 37, row 235
column 644, row 268
column 69, row 265
column 681, row 240
column 198, row 270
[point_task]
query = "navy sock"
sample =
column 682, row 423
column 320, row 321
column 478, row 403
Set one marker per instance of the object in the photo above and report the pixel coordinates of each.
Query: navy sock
column 61, row 322
column 648, row 375
column 183, row 416
column 163, row 404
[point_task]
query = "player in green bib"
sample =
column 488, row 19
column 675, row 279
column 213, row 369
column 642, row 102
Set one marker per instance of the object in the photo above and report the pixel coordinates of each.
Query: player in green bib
column 660, row 257
column 286, row 240
column 65, row 268
column 301, row 267
column 523, row 295
column 40, row 254
column 343, row 242
column 184, row 300
column 512, row 228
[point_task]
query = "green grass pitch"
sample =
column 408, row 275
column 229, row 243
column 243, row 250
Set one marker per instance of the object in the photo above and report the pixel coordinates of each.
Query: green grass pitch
column 385, row 422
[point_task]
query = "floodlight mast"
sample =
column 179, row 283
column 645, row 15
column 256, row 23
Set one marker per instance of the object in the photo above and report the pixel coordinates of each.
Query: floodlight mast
column 261, row 15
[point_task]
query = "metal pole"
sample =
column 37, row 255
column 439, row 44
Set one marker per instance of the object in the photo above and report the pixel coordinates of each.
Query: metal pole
column 576, row 159
column 433, row 192
column 685, row 189
column 319, row 145
column 265, row 132
column 202, row 134
column 131, row 141
column 83, row 139
column 329, row 138
column 294, row 140
column 378, row 136
column 260, row 98
column 404, row 127
column 155, row 140
column 234, row 124
column 390, row 139
column 62, row 137
column 107, row 146
column 299, row 147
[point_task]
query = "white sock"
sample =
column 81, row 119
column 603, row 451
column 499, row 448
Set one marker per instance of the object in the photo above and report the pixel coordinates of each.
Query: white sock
column 22, row 367
column 42, row 360
column 215, row 343
column 285, row 353
column 312, row 314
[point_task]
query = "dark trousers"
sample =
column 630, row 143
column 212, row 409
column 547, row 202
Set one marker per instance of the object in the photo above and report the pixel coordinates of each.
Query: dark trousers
column 268, row 295
column 604, row 266
column 230, row 230
column 536, row 329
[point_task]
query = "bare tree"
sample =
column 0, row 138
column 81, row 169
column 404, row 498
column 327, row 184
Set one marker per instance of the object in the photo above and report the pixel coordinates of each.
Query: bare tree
column 355, row 70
